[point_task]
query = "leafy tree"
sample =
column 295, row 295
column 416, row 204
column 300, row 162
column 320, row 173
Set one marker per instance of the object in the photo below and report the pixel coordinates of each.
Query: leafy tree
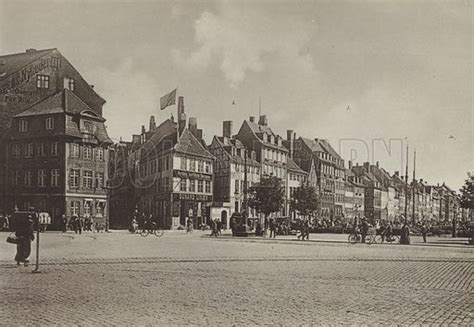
column 467, row 193
column 267, row 196
column 305, row 200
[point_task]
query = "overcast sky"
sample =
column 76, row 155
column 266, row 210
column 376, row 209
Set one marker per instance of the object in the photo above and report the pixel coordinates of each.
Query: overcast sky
column 404, row 68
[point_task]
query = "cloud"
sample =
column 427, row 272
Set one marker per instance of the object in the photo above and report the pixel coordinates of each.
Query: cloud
column 241, row 41
column 132, row 96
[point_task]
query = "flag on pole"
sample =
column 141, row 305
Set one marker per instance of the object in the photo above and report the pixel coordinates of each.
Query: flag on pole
column 168, row 100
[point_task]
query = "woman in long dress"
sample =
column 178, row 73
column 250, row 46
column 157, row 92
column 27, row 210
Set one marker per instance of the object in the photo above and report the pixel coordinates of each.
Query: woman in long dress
column 24, row 233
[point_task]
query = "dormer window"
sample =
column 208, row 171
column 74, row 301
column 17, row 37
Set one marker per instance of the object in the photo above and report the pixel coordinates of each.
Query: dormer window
column 23, row 126
column 88, row 126
column 55, row 62
column 69, row 83
column 42, row 81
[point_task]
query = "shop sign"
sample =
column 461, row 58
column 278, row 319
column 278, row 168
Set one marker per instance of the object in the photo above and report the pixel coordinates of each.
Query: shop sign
column 192, row 197
column 191, row 175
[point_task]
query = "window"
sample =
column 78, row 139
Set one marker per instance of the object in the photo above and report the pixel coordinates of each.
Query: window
column 192, row 185
column 236, row 206
column 99, row 180
column 17, row 180
column 183, row 163
column 54, row 148
column 99, row 209
column 17, row 151
column 87, row 208
column 54, row 177
column 23, row 125
column 192, row 164
column 88, row 126
column 42, row 81
column 100, row 154
column 28, row 178
column 87, row 152
column 69, row 83
column 167, row 163
column 237, row 185
column 49, row 123
column 74, row 208
column 74, row 178
column 41, row 150
column 200, row 166
column 87, row 179
column 28, row 150
column 200, row 186
column 182, row 185
column 208, row 187
column 208, row 167
column 41, row 178
column 55, row 62
column 74, row 150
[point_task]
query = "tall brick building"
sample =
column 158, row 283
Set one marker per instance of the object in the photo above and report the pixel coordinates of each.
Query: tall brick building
column 53, row 138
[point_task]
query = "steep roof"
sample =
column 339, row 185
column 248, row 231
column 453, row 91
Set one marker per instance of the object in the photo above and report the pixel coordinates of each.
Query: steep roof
column 312, row 145
column 226, row 142
column 256, row 128
column 329, row 149
column 291, row 165
column 65, row 101
column 189, row 144
column 13, row 62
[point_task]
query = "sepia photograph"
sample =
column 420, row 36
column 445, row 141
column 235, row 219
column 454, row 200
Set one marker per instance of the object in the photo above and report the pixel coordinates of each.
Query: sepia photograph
column 236, row 163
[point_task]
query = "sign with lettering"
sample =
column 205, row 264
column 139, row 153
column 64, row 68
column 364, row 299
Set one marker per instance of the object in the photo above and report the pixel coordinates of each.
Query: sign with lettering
column 191, row 175
column 192, row 197
column 24, row 75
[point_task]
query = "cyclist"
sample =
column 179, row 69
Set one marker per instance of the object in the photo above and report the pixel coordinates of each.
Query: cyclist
column 364, row 226
column 388, row 232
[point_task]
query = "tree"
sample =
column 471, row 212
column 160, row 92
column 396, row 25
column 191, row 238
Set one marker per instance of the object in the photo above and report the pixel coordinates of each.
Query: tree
column 267, row 196
column 305, row 200
column 467, row 193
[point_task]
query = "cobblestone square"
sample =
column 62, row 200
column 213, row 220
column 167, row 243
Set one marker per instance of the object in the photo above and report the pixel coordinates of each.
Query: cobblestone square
column 123, row 279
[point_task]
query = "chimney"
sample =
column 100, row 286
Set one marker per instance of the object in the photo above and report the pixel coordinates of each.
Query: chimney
column 289, row 137
column 397, row 174
column 143, row 129
column 350, row 164
column 152, row 123
column 366, row 167
column 199, row 134
column 377, row 164
column 252, row 119
column 192, row 124
column 227, row 129
column 181, row 115
column 263, row 120
column 31, row 50
column 91, row 85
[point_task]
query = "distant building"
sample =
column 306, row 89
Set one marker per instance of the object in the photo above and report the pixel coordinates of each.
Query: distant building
column 171, row 172
column 329, row 171
column 296, row 178
column 269, row 150
column 229, row 174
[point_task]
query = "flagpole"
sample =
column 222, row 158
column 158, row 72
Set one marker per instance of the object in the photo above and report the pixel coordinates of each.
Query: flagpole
column 176, row 100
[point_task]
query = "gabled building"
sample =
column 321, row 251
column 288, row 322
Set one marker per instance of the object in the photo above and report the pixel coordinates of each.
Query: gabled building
column 373, row 192
column 171, row 172
column 229, row 174
column 57, row 152
column 329, row 169
column 296, row 178
column 28, row 78
column 269, row 150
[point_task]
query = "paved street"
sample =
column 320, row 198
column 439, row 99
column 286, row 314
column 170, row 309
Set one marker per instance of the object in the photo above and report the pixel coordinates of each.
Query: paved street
column 123, row 279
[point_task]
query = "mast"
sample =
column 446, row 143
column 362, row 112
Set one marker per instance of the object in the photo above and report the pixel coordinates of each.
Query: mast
column 414, row 190
column 406, row 187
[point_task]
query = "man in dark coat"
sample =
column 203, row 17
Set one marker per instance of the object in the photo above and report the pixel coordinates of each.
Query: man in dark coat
column 272, row 228
column 24, row 233
column 364, row 229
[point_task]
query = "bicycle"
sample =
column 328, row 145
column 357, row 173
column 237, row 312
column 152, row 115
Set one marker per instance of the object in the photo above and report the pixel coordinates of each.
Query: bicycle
column 354, row 238
column 153, row 229
column 380, row 239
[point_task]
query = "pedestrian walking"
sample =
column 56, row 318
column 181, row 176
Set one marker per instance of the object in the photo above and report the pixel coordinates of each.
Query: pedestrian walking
column 405, row 235
column 64, row 223
column 306, row 230
column 24, row 233
column 272, row 228
column 424, row 231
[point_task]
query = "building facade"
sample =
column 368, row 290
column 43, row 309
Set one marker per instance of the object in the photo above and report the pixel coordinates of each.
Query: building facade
column 229, row 174
column 57, row 152
column 28, row 78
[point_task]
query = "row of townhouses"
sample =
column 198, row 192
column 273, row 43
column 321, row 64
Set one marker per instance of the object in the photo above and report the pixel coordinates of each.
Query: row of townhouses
column 56, row 156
